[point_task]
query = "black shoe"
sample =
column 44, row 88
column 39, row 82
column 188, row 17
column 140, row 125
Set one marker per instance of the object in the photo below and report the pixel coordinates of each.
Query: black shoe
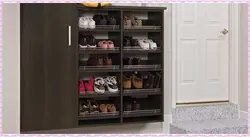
column 94, row 107
column 127, row 61
column 111, row 20
column 148, row 81
column 127, row 41
column 82, row 40
column 91, row 40
column 134, row 42
column 84, row 107
column 157, row 81
column 136, row 61
column 100, row 19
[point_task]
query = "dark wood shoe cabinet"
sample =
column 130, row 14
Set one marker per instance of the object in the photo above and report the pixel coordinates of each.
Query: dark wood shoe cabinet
column 51, row 67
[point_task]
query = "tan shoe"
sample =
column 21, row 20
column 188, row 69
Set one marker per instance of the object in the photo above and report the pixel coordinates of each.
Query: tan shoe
column 111, row 107
column 103, row 108
column 137, row 82
column 126, row 82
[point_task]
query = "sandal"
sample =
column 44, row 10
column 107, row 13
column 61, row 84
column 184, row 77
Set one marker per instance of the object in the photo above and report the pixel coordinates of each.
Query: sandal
column 103, row 44
column 110, row 44
column 103, row 108
column 111, row 107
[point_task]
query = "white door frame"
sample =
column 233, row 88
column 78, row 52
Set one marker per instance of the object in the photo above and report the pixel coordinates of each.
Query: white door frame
column 234, row 43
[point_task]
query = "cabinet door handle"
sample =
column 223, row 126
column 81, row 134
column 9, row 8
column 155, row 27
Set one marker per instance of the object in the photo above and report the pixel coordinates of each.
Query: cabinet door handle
column 69, row 35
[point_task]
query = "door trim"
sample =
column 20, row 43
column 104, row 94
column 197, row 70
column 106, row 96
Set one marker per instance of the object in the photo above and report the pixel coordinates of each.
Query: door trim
column 234, row 26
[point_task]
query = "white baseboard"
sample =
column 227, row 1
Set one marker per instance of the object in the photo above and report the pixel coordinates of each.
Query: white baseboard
column 165, row 124
column 244, row 114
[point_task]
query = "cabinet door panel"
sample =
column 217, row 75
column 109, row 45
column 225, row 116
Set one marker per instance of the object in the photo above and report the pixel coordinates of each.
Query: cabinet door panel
column 49, row 100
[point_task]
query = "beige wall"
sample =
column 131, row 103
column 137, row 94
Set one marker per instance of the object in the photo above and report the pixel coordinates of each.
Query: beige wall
column 243, row 83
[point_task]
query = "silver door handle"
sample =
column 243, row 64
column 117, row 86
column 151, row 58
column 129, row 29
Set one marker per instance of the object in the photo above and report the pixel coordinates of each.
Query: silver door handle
column 69, row 35
column 224, row 31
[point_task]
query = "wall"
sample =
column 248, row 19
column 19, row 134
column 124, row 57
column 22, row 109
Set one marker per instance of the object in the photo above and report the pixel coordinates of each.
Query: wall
column 11, row 71
column 243, row 83
column 11, row 80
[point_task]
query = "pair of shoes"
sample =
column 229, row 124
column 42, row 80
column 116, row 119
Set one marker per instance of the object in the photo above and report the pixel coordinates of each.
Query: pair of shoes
column 109, row 82
column 147, row 44
column 133, row 80
column 106, row 44
column 130, row 105
column 86, row 86
column 129, row 41
column 86, row 23
column 104, row 19
column 107, row 108
column 152, row 80
column 88, row 106
column 131, row 20
column 131, row 61
column 86, row 40
column 99, row 61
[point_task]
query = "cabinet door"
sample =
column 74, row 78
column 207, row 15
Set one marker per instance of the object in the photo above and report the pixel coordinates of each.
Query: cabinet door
column 49, row 72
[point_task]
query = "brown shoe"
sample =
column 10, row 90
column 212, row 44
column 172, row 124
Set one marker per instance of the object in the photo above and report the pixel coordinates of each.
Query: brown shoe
column 126, row 82
column 111, row 107
column 103, row 108
column 137, row 82
column 107, row 61
column 99, row 61
column 136, row 106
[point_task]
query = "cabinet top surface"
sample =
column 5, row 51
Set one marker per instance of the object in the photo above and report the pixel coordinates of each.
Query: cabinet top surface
column 142, row 8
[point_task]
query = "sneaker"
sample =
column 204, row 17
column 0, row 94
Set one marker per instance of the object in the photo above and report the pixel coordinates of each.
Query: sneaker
column 91, row 41
column 111, row 84
column 81, row 86
column 94, row 107
column 82, row 40
column 84, row 107
column 152, row 44
column 91, row 23
column 99, row 85
column 144, row 44
column 89, row 85
column 83, row 22
column 111, row 20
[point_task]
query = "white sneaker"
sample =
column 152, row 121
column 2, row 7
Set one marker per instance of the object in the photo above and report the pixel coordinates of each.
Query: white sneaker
column 144, row 44
column 152, row 44
column 99, row 85
column 83, row 22
column 91, row 23
column 111, row 84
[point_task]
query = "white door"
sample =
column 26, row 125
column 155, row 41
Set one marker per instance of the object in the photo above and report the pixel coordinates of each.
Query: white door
column 202, row 52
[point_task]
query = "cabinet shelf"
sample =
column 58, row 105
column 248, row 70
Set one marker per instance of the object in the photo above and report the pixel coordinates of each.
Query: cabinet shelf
column 113, row 68
column 129, row 92
column 94, row 95
column 142, row 113
column 98, row 115
column 102, row 28
column 98, row 50
column 127, row 68
column 130, row 49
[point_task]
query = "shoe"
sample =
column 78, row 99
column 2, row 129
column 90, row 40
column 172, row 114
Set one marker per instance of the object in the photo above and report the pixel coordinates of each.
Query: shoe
column 136, row 106
column 136, row 82
column 127, row 41
column 83, row 22
column 107, row 61
column 111, row 84
column 143, row 44
column 99, row 85
column 157, row 81
column 91, row 23
column 89, row 85
column 136, row 61
column 127, row 107
column 94, row 107
column 100, row 61
column 127, row 22
column 110, row 44
column 111, row 20
column 127, row 61
column 84, row 107
column 91, row 41
column 81, row 86
column 111, row 107
column 134, row 43
column 103, row 20
column 152, row 44
column 92, row 61
column 103, row 44
column 82, row 40
column 148, row 81
column 127, row 82
column 103, row 108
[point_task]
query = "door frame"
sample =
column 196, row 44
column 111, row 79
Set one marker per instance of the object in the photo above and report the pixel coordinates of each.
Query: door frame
column 234, row 35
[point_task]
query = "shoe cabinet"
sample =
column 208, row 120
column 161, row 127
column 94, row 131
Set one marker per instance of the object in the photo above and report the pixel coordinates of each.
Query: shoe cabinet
column 86, row 67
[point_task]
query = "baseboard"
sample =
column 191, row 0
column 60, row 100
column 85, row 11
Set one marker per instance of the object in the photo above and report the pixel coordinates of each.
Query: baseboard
column 244, row 114
column 165, row 124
